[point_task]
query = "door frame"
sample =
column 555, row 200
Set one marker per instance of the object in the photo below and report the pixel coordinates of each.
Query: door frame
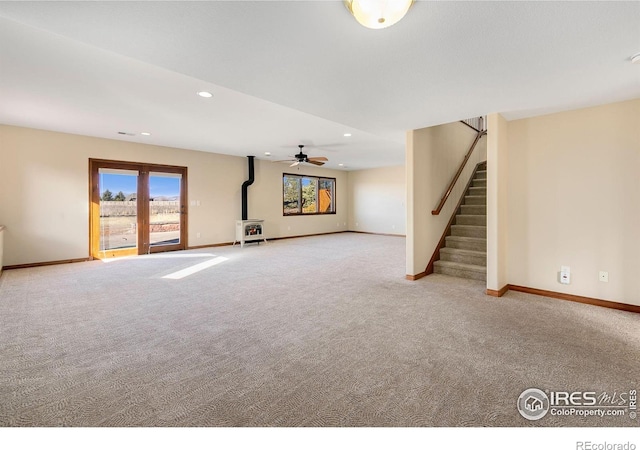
column 142, row 200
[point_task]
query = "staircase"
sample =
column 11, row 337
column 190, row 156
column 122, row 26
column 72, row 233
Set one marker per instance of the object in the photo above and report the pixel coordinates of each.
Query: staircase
column 465, row 252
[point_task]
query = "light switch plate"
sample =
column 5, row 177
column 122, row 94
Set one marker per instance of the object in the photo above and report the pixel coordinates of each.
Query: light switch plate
column 604, row 276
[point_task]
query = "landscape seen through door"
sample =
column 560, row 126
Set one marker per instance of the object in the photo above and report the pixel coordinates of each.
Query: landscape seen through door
column 136, row 211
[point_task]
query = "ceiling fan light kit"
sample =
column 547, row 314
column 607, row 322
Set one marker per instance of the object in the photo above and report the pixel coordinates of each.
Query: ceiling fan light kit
column 377, row 14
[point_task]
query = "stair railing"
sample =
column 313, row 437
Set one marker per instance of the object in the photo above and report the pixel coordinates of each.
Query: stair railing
column 478, row 124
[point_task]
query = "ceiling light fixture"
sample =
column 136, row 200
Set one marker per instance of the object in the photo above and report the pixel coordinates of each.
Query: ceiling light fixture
column 341, row 165
column 635, row 59
column 144, row 133
column 267, row 153
column 378, row 14
column 347, row 135
column 205, row 94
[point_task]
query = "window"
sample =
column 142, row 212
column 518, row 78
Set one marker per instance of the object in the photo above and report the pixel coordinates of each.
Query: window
column 308, row 195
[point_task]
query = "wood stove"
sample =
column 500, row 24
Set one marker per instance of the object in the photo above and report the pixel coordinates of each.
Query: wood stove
column 250, row 230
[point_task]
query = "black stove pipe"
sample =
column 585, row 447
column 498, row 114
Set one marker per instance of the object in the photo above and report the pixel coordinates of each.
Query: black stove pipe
column 245, row 185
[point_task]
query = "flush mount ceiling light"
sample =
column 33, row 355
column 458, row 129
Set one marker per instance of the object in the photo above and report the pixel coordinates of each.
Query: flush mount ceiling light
column 378, row 14
column 205, row 94
column 145, row 133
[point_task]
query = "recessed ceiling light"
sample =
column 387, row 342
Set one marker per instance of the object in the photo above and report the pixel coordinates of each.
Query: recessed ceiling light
column 267, row 153
column 347, row 135
column 635, row 59
column 144, row 133
column 341, row 165
column 205, row 94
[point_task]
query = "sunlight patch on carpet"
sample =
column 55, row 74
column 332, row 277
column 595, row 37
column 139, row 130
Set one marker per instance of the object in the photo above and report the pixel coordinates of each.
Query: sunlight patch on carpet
column 195, row 268
column 167, row 255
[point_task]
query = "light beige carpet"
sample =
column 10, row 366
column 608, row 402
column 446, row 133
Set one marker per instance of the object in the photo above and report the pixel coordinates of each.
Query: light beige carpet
column 319, row 331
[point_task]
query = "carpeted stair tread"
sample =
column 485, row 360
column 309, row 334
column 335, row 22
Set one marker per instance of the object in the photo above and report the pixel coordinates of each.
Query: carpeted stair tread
column 468, row 239
column 475, row 199
column 478, row 190
column 474, row 257
column 461, row 270
column 471, row 219
column 466, row 243
column 471, row 210
column 462, row 251
column 463, row 266
column 469, row 230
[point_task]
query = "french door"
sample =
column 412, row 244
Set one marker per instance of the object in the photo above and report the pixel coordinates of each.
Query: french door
column 136, row 208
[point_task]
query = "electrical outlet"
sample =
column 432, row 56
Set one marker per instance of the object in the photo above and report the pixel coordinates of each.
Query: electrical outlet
column 604, row 276
column 565, row 275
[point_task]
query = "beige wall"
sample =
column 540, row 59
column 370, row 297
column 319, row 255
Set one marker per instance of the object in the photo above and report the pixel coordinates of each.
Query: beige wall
column 497, row 200
column 574, row 200
column 44, row 193
column 377, row 199
column 265, row 201
column 433, row 156
column 1, row 246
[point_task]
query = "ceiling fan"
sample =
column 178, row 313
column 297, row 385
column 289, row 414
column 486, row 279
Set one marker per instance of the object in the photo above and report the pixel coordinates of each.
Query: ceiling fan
column 302, row 158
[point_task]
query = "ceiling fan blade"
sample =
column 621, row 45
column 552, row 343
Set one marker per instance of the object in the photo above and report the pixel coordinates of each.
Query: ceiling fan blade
column 295, row 164
column 317, row 158
column 316, row 163
column 285, row 160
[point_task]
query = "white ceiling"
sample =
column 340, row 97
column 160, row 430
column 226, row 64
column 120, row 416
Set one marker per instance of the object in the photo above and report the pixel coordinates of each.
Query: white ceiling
column 290, row 72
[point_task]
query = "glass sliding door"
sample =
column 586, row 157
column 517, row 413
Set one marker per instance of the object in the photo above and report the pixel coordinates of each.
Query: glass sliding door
column 165, row 209
column 136, row 208
column 118, row 209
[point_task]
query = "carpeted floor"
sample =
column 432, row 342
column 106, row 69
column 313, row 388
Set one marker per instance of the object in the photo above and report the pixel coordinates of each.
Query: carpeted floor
column 318, row 331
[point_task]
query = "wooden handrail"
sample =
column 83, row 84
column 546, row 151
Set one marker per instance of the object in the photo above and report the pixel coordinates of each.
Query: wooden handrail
column 446, row 195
